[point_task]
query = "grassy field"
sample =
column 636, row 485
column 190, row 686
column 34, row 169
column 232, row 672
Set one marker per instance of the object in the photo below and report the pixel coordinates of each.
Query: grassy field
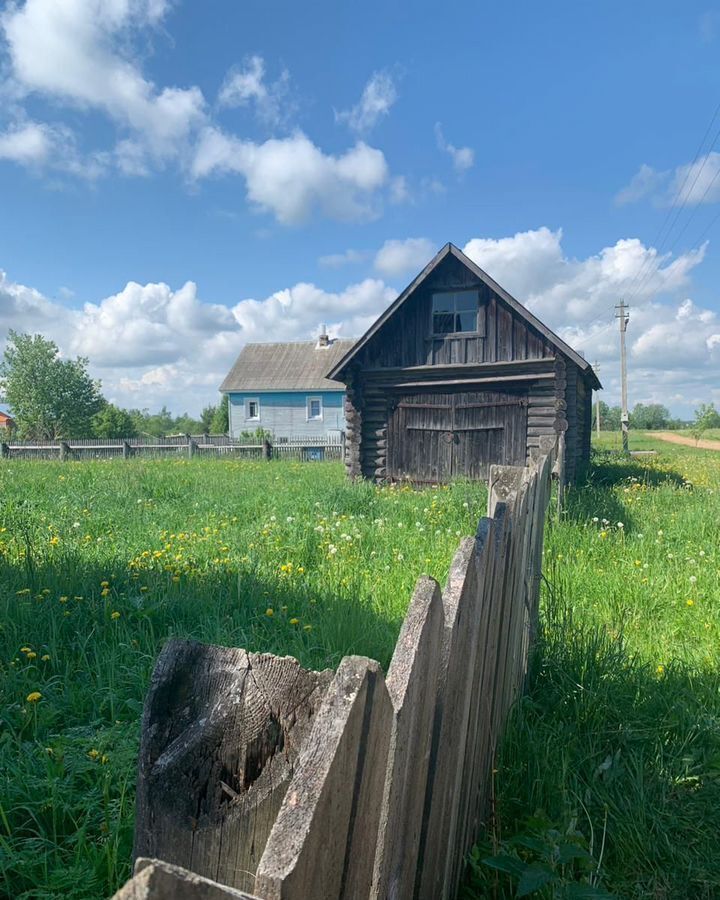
column 101, row 562
column 610, row 772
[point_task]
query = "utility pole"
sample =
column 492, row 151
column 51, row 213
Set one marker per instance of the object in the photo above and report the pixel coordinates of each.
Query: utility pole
column 624, row 318
column 596, row 367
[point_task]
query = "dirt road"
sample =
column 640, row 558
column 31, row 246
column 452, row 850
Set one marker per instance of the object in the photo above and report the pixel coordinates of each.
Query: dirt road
column 688, row 442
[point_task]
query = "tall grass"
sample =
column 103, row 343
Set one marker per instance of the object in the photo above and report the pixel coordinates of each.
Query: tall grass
column 615, row 750
column 101, row 562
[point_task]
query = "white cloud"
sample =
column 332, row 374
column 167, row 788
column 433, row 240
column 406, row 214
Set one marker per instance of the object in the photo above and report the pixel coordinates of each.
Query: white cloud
column 400, row 257
column 338, row 260
column 246, row 85
column 378, row 98
column 672, row 345
column 77, row 52
column 463, row 157
column 29, row 143
column 687, row 185
column 291, row 177
column 152, row 344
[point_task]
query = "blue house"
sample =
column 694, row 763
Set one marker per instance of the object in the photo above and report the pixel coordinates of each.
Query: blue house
column 283, row 389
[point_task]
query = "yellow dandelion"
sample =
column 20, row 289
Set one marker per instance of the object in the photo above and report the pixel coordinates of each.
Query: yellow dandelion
column 307, row 627
column 690, row 602
column 63, row 599
column 104, row 584
column 114, row 614
column 105, row 592
column 33, row 697
column 603, row 535
column 31, row 654
column 25, row 649
column 660, row 670
column 54, row 541
column 93, row 754
column 294, row 621
column 270, row 612
column 45, row 657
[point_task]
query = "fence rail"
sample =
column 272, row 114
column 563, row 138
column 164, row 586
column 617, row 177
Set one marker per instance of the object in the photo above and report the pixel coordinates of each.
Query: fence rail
column 294, row 448
column 267, row 778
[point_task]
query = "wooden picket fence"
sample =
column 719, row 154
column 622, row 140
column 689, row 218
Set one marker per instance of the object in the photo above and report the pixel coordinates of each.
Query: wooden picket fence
column 261, row 777
column 304, row 449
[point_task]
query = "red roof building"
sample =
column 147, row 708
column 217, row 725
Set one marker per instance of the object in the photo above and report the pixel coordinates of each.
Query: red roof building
column 6, row 421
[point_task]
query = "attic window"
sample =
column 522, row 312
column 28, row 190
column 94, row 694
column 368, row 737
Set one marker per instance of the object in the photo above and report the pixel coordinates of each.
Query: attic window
column 455, row 312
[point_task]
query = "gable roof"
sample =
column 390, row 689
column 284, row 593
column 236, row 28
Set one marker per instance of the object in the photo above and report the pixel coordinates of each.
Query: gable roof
column 515, row 306
column 296, row 366
column 6, row 417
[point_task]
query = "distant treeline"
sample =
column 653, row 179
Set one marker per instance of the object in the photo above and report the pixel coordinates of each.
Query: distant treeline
column 655, row 417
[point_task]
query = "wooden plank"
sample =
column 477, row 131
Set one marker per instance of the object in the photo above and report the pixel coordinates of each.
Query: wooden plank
column 221, row 733
column 157, row 880
column 324, row 840
column 412, row 684
column 442, row 798
column 499, row 381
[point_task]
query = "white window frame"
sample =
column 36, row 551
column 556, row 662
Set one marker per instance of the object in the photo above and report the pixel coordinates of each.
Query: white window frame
column 248, row 401
column 308, row 407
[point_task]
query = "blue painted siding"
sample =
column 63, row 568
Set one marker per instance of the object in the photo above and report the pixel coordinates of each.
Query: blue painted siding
column 284, row 413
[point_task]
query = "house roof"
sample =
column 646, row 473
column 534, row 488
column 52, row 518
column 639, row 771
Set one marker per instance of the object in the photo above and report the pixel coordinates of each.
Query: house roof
column 515, row 305
column 4, row 417
column 298, row 366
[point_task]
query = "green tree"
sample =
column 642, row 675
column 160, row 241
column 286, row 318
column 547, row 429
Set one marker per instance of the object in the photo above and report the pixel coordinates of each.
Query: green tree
column 649, row 417
column 113, row 422
column 706, row 416
column 609, row 417
column 220, row 421
column 185, row 424
column 49, row 397
column 206, row 417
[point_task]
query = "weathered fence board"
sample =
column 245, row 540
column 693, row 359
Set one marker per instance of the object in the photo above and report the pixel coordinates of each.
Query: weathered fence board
column 412, row 683
column 299, row 449
column 156, row 880
column 299, row 785
column 323, row 843
column 221, row 735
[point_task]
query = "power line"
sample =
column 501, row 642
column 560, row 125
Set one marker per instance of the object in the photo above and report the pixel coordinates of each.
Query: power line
column 640, row 277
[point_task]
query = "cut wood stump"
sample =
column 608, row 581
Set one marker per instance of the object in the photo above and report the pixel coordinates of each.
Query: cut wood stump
column 221, row 734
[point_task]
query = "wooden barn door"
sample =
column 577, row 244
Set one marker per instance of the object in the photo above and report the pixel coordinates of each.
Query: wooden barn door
column 420, row 438
column 434, row 437
column 490, row 427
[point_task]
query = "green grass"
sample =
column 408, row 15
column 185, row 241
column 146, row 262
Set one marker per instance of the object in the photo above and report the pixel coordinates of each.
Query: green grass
column 101, row 562
column 613, row 757
column 611, row 761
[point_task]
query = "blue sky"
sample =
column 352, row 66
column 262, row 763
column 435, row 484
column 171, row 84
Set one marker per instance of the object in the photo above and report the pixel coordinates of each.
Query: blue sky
column 178, row 178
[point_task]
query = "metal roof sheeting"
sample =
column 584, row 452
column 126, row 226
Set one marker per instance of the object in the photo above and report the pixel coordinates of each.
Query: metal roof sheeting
column 298, row 366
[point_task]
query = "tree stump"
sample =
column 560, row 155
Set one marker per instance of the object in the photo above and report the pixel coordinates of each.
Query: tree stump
column 221, row 733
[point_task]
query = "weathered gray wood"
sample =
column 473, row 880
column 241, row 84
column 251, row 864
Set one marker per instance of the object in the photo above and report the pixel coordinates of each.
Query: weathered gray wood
column 220, row 739
column 64, row 450
column 4, row 450
column 157, row 880
column 442, row 800
column 412, row 684
column 324, row 840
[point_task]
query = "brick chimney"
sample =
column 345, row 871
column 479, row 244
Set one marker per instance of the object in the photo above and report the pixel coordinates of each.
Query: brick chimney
column 323, row 338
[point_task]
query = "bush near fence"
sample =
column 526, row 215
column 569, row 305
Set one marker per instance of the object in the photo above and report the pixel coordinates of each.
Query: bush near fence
column 212, row 445
column 257, row 775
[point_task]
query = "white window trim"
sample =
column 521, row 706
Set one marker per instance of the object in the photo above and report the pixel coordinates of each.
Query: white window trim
column 308, row 417
column 247, row 402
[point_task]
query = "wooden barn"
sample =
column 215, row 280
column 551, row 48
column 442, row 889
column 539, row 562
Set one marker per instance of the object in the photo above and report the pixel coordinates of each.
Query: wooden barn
column 456, row 375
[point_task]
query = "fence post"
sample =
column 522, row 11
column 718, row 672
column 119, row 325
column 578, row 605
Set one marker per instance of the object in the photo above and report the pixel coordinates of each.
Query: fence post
column 4, row 450
column 192, row 447
column 127, row 450
column 64, row 450
column 266, row 449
